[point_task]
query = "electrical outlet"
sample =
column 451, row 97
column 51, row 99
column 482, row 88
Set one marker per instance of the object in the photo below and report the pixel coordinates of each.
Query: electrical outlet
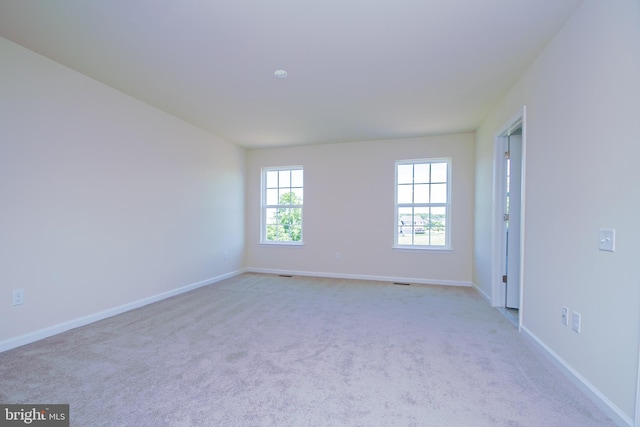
column 565, row 316
column 226, row 255
column 576, row 320
column 18, row 297
column 338, row 255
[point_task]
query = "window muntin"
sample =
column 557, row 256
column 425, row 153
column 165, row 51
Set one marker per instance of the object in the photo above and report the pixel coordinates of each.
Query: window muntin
column 422, row 205
column 282, row 199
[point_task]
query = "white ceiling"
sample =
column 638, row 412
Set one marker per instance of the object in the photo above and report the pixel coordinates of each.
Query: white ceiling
column 358, row 69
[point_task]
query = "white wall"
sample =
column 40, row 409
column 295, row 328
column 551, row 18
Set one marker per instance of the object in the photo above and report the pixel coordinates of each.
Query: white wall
column 349, row 203
column 104, row 200
column 583, row 145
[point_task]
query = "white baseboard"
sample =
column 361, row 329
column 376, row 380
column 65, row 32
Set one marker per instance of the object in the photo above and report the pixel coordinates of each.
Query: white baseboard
column 420, row 281
column 615, row 413
column 482, row 293
column 82, row 321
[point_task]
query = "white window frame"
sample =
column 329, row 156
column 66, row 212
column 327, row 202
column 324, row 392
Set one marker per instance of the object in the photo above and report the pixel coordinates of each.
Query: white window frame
column 446, row 205
column 264, row 206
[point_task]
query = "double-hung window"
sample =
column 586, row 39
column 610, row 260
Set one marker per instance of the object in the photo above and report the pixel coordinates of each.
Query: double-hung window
column 282, row 195
column 422, row 208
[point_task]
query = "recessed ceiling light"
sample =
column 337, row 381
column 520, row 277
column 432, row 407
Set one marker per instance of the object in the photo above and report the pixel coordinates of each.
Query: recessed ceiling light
column 281, row 74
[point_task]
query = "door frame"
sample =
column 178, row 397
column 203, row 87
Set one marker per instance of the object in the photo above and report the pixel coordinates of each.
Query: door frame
column 499, row 192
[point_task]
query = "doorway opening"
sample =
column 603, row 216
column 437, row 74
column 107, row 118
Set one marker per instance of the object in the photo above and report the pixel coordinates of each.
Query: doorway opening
column 508, row 208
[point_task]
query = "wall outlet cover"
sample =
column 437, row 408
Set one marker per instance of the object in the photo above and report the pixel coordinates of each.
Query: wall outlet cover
column 18, row 297
column 576, row 321
column 565, row 316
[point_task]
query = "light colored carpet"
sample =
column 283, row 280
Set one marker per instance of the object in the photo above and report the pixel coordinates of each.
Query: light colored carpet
column 260, row 350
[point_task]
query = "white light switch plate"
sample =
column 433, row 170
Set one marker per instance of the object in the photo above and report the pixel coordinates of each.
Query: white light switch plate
column 607, row 241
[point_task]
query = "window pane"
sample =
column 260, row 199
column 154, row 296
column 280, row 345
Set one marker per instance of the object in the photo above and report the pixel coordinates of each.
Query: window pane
column 272, row 197
column 421, row 239
column 285, row 196
column 439, row 172
column 298, row 195
column 271, row 217
column 285, row 178
column 438, row 216
column 421, row 216
column 297, row 215
column 437, row 238
column 421, row 193
column 405, row 174
column 272, row 179
column 295, row 233
column 296, row 178
column 404, row 211
column 438, row 226
column 438, row 193
column 405, row 193
column 405, row 226
column 276, row 233
column 421, row 173
column 291, row 220
column 405, row 238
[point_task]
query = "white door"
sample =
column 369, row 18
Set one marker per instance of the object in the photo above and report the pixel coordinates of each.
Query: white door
column 512, row 220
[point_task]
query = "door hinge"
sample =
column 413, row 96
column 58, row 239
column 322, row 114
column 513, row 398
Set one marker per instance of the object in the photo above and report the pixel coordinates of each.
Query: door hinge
column 504, row 279
column 506, row 217
column 507, row 155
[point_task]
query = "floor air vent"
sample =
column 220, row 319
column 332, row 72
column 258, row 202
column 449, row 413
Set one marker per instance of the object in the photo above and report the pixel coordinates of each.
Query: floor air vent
column 402, row 284
column 284, row 275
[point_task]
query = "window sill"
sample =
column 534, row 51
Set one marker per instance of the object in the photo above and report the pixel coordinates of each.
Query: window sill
column 289, row 244
column 430, row 249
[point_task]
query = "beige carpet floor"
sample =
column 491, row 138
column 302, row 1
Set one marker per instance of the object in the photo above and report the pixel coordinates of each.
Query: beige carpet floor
column 263, row 350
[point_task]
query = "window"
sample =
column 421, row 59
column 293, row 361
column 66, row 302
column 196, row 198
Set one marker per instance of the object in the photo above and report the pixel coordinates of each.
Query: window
column 423, row 203
column 282, row 190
